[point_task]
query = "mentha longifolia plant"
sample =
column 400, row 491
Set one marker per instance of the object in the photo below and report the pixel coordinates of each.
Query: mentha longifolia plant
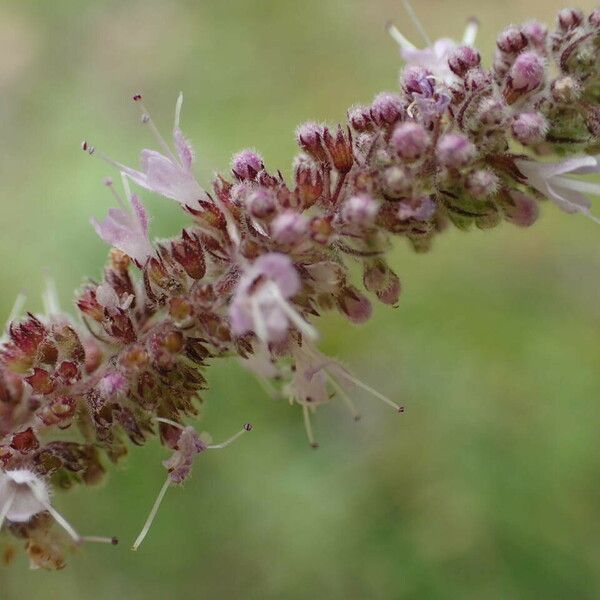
column 457, row 145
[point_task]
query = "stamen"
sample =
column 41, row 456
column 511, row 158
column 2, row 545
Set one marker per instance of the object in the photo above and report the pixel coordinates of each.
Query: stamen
column 471, row 31
column 78, row 539
column 294, row 316
column 152, row 515
column 147, row 120
column 87, row 148
column 371, row 391
column 268, row 387
column 169, row 422
column 244, row 429
column 344, row 396
column 16, row 310
column 308, row 427
column 408, row 7
column 399, row 38
column 259, row 322
column 100, row 540
column 50, row 300
column 178, row 110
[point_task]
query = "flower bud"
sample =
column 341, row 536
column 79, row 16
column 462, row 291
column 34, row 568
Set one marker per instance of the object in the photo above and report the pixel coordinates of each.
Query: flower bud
column 379, row 279
column 354, row 305
column 536, row 33
column 565, row 89
column 592, row 120
column 521, row 210
column 492, row 112
column 396, row 182
column 421, row 209
column 526, row 74
column 310, row 136
column 594, row 18
column 320, row 229
column 261, row 203
column 417, row 80
column 529, row 128
column 289, row 227
column 511, row 41
column 569, row 18
column 339, row 148
column 482, row 183
column 410, row 140
column 360, row 118
column 246, row 165
column 360, row 210
column 463, row 59
column 387, row 108
column 454, row 150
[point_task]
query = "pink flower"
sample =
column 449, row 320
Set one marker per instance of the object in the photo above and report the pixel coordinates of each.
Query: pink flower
column 435, row 55
column 550, row 180
column 169, row 174
column 127, row 230
column 260, row 302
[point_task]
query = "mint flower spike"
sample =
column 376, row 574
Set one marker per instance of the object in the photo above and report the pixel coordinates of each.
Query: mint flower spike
column 459, row 144
column 24, row 494
column 179, row 465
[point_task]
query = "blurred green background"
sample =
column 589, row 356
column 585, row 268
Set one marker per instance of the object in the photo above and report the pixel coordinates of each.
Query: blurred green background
column 487, row 487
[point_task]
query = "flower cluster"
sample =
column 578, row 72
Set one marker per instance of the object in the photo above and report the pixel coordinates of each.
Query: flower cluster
column 457, row 145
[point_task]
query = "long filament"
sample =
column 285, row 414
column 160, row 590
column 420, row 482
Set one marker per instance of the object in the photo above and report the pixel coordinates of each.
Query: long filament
column 152, row 515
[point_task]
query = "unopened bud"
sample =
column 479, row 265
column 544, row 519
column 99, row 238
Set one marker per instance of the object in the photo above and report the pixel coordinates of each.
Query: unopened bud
column 261, row 203
column 379, row 279
column 536, row 33
column 289, row 227
column 594, row 18
column 418, row 80
column 387, row 108
column 529, row 128
column 360, row 118
column 592, row 120
column 411, row 140
column 463, row 59
column 454, row 150
column 511, row 41
column 492, row 112
column 310, row 139
column 396, row 182
column 569, row 18
column 246, row 164
column 360, row 210
column 482, row 183
column 520, row 209
column 565, row 89
column 354, row 305
column 526, row 75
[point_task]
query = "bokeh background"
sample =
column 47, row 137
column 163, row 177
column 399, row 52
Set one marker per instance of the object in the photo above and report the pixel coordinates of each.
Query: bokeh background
column 487, row 487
